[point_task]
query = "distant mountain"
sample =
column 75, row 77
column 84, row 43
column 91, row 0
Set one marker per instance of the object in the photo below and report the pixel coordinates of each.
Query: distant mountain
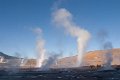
column 7, row 56
column 90, row 58
column 98, row 57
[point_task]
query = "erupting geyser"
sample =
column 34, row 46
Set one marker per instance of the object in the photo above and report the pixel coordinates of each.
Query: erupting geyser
column 41, row 52
column 63, row 18
column 40, row 48
column 107, row 46
column 108, row 56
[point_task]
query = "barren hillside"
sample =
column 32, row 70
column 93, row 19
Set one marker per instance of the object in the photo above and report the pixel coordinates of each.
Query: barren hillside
column 90, row 58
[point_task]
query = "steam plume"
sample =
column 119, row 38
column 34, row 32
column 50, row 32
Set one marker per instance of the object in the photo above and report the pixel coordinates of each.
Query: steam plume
column 108, row 55
column 40, row 47
column 107, row 46
column 50, row 61
column 41, row 52
column 63, row 18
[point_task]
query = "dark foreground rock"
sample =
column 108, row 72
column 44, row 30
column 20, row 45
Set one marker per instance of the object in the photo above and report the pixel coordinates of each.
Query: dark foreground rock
column 62, row 74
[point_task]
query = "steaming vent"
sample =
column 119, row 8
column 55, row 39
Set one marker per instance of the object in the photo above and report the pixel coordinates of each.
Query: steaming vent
column 64, row 18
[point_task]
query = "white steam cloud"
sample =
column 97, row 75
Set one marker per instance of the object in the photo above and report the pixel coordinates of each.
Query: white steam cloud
column 41, row 52
column 40, row 47
column 63, row 18
column 107, row 46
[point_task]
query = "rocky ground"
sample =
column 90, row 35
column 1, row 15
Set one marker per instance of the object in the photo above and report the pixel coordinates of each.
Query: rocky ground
column 62, row 74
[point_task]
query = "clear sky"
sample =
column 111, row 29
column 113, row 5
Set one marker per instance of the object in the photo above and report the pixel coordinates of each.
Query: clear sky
column 18, row 17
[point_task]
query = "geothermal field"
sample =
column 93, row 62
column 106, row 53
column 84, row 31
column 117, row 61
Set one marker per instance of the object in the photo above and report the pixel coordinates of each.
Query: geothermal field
column 59, row 40
column 62, row 69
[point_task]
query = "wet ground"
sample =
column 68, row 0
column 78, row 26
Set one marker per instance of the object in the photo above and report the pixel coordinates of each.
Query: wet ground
column 62, row 74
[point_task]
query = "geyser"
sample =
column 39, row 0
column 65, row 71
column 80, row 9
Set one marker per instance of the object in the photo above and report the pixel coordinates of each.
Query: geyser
column 107, row 46
column 40, row 47
column 41, row 52
column 63, row 18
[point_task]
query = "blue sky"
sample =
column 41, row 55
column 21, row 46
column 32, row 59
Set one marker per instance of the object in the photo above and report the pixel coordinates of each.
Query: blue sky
column 17, row 17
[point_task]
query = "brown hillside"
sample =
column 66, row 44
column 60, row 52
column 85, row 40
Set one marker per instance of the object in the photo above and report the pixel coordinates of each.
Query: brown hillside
column 90, row 58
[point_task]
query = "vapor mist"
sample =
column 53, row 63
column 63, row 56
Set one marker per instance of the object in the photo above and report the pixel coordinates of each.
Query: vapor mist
column 107, row 46
column 40, row 47
column 52, row 59
column 63, row 18
column 41, row 52
column 108, row 55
